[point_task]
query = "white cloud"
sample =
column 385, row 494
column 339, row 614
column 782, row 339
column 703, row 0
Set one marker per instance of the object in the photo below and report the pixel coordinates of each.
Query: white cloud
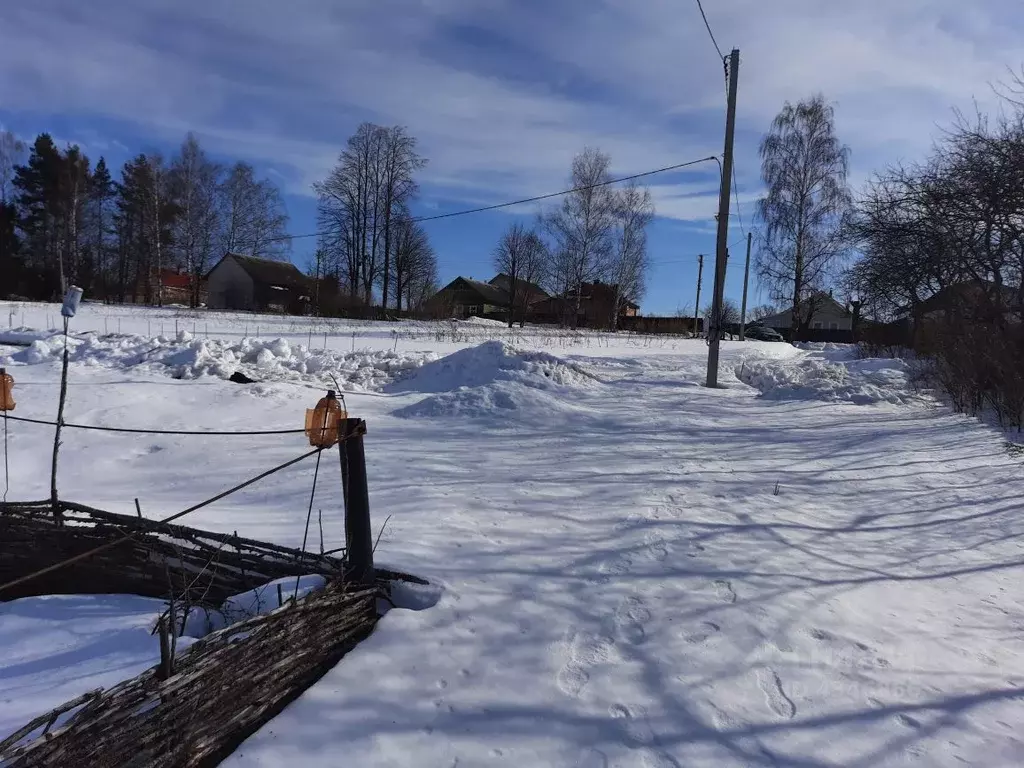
column 285, row 83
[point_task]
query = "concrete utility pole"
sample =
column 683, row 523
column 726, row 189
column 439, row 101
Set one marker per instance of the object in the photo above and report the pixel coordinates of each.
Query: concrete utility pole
column 746, row 276
column 696, row 308
column 715, row 331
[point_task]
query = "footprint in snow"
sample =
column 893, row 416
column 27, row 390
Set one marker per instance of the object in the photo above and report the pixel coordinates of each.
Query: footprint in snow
column 581, row 651
column 638, row 730
column 640, row 736
column 705, row 631
column 618, row 566
column 723, row 588
column 770, row 684
column 631, row 619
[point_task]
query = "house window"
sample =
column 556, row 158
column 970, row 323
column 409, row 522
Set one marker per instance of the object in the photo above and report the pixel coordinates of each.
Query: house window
column 817, row 325
column 833, row 326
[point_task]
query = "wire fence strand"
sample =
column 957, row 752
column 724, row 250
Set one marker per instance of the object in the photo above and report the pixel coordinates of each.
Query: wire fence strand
column 171, row 518
column 138, row 431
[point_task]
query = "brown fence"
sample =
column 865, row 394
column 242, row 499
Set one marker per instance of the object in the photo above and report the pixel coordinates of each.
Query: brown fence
column 158, row 560
column 676, row 325
column 197, row 707
column 225, row 687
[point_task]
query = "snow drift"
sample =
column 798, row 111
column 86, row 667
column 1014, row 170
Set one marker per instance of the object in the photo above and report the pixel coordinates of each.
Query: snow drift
column 831, row 374
column 187, row 357
column 491, row 378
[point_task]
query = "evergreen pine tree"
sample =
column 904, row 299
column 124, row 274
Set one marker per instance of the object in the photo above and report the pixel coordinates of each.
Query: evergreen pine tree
column 38, row 184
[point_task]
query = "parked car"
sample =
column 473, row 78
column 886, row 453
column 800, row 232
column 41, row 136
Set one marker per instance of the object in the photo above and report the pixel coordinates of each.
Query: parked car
column 761, row 333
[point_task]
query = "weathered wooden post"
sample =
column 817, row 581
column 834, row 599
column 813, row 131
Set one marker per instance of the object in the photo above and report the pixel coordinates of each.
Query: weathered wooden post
column 165, row 649
column 358, row 536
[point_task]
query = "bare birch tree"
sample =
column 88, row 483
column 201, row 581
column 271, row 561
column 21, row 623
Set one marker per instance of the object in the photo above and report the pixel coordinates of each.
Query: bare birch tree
column 804, row 167
column 582, row 228
column 628, row 265
column 253, row 215
column 371, row 185
column 397, row 186
column 12, row 153
column 194, row 183
column 414, row 263
column 520, row 256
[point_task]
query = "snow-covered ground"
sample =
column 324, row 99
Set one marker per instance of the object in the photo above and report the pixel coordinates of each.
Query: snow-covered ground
column 812, row 566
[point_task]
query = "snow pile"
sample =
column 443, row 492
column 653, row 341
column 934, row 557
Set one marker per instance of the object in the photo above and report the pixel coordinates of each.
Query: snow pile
column 21, row 336
column 832, row 375
column 491, row 377
column 187, row 357
column 830, row 350
column 485, row 322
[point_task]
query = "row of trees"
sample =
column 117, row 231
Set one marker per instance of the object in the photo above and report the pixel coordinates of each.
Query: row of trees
column 65, row 221
column 934, row 247
column 942, row 243
column 597, row 233
column 369, row 241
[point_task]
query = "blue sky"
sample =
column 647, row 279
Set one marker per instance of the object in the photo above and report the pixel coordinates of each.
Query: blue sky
column 501, row 94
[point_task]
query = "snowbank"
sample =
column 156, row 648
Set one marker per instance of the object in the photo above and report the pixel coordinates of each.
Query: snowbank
column 187, row 357
column 22, row 336
column 490, row 362
column 491, row 379
column 831, row 373
column 485, row 322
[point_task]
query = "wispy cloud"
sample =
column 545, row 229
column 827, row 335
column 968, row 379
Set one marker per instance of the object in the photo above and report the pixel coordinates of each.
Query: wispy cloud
column 502, row 93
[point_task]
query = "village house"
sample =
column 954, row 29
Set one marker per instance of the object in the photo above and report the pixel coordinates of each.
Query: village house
column 259, row 285
column 826, row 315
column 168, row 286
column 593, row 307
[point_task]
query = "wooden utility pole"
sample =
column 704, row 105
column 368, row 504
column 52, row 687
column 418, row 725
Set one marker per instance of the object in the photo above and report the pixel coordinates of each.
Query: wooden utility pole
column 696, row 307
column 715, row 331
column 746, row 277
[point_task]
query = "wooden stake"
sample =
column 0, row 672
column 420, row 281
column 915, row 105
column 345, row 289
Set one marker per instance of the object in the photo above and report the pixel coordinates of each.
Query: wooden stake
column 60, row 423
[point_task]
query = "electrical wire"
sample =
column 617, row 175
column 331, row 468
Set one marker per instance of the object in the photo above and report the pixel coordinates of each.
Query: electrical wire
column 420, row 219
column 736, row 197
column 309, row 514
column 712, row 34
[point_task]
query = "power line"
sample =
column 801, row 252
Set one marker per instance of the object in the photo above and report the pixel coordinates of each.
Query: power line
column 511, row 203
column 736, row 197
column 712, row 34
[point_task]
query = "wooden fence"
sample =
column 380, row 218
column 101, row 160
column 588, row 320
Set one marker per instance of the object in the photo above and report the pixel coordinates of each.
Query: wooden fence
column 225, row 687
column 159, row 560
column 196, row 708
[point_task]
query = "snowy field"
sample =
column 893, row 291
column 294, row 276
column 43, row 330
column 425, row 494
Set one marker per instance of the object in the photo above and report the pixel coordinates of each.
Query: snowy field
column 812, row 566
